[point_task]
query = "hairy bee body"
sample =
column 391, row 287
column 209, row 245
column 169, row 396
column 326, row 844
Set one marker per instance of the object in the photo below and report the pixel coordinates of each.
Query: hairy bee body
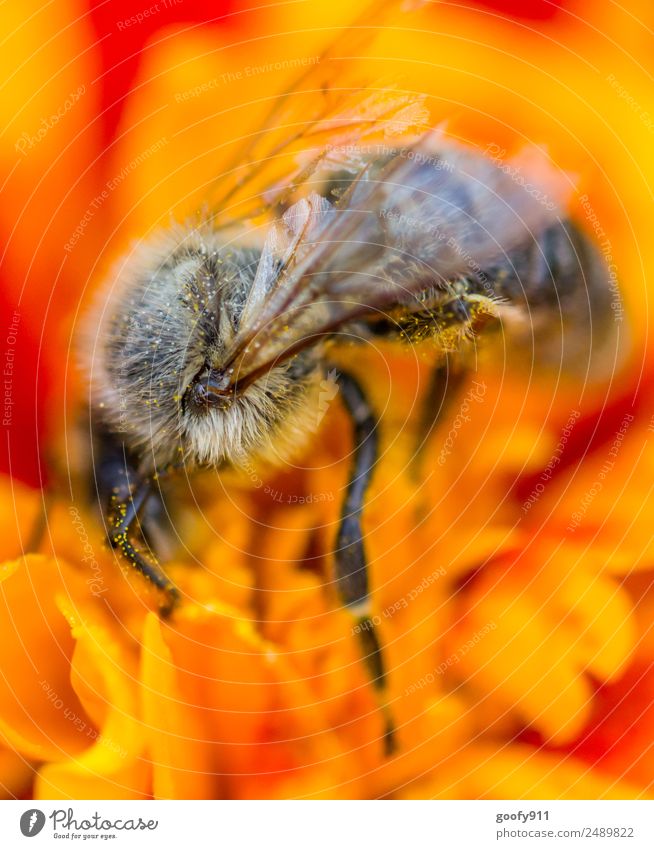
column 209, row 344
column 176, row 305
column 207, row 351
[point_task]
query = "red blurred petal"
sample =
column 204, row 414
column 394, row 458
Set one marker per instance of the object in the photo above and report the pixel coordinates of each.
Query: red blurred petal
column 534, row 10
column 122, row 38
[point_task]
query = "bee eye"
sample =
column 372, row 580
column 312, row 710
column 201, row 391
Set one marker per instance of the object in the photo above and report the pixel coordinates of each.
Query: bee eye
column 208, row 391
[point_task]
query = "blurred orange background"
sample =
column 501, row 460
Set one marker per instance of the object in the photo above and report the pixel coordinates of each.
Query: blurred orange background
column 112, row 124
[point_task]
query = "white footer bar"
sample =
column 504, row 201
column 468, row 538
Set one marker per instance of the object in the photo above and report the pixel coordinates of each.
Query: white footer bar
column 332, row 825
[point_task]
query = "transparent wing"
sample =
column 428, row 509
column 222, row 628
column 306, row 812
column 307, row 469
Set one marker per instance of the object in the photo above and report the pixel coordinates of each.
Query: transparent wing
column 317, row 123
column 428, row 214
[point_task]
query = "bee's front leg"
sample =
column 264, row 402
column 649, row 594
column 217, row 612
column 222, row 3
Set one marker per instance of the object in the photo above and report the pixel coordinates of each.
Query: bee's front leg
column 124, row 493
column 350, row 556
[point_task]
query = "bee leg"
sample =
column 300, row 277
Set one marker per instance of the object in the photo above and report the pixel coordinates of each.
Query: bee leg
column 444, row 383
column 123, row 493
column 350, row 557
column 123, row 513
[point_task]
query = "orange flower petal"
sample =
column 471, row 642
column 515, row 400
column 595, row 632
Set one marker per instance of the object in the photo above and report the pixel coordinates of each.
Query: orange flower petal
column 175, row 743
column 113, row 766
column 36, row 696
column 519, row 772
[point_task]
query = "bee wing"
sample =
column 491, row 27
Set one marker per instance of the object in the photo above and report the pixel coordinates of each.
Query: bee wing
column 422, row 220
column 317, row 122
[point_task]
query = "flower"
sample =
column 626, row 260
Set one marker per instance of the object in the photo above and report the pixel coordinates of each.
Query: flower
column 510, row 568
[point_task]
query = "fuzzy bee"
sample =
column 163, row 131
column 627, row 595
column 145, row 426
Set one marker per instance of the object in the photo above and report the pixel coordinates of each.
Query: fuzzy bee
column 209, row 344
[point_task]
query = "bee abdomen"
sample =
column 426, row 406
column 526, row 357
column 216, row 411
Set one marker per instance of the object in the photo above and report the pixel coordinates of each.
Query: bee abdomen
column 553, row 292
column 558, row 266
column 562, row 288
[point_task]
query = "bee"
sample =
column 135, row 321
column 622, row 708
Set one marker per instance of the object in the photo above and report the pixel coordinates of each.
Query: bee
column 209, row 345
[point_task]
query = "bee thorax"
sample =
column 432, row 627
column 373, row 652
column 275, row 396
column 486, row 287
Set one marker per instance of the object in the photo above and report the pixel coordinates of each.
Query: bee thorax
column 155, row 349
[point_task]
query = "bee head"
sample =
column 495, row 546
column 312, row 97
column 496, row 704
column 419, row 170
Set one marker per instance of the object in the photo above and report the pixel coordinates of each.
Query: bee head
column 155, row 347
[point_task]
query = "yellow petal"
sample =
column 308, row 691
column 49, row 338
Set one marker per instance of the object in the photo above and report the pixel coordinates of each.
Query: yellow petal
column 114, row 766
column 175, row 742
column 36, row 697
column 508, row 648
column 517, row 771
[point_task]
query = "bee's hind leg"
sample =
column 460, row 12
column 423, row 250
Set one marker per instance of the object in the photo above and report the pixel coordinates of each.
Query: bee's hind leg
column 446, row 379
column 350, row 557
column 124, row 494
